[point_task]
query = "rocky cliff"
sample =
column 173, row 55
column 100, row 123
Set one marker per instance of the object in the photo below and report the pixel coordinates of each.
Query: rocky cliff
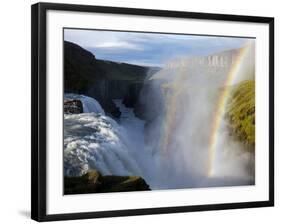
column 103, row 80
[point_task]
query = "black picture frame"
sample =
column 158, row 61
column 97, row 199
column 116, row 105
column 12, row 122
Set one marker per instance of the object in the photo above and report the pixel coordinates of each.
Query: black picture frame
column 39, row 114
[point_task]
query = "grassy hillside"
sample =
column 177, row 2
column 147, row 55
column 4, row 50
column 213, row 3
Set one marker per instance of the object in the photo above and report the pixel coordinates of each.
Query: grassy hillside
column 240, row 112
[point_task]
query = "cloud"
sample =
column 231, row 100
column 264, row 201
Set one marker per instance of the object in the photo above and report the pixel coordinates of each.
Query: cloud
column 120, row 45
column 148, row 48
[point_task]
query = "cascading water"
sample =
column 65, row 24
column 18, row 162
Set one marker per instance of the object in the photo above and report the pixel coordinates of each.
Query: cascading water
column 89, row 103
column 93, row 140
column 186, row 144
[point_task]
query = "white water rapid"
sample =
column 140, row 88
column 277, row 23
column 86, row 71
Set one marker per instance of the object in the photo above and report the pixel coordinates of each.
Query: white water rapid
column 174, row 150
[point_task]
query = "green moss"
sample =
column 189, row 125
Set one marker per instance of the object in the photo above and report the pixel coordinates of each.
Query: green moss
column 240, row 112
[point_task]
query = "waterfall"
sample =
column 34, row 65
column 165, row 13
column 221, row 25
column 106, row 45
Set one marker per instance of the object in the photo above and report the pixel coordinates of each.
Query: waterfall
column 183, row 142
column 93, row 140
column 89, row 103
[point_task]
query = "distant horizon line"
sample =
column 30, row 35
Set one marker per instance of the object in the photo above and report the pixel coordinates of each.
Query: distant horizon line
column 157, row 66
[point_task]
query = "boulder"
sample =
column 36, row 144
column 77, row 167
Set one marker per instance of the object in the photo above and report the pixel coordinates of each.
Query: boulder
column 94, row 182
column 72, row 106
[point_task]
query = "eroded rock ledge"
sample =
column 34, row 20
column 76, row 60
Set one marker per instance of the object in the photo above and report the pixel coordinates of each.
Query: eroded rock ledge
column 94, row 182
column 72, row 106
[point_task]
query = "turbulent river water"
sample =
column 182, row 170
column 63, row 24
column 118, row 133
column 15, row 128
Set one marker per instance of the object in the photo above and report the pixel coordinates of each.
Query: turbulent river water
column 93, row 140
column 188, row 145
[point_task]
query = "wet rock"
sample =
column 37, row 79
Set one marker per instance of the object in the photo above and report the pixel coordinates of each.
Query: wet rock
column 94, row 182
column 72, row 106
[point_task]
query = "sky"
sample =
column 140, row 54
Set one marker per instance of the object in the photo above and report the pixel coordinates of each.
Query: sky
column 149, row 49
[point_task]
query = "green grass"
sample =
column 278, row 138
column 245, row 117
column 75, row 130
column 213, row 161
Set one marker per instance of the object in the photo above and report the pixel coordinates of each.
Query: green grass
column 240, row 112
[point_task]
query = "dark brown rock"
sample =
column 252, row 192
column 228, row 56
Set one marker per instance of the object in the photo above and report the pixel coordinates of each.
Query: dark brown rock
column 94, row 182
column 71, row 106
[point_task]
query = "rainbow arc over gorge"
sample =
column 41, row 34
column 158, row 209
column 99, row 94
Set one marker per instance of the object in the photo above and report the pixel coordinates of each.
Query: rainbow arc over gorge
column 236, row 68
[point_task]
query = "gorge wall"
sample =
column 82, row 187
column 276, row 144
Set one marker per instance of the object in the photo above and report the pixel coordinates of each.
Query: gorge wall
column 103, row 80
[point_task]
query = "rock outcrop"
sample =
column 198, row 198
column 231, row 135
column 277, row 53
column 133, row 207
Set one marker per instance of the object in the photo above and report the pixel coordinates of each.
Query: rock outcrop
column 100, row 79
column 94, row 182
column 72, row 106
column 132, row 95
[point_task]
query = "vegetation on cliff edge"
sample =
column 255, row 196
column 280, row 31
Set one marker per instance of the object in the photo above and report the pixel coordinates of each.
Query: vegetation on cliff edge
column 240, row 112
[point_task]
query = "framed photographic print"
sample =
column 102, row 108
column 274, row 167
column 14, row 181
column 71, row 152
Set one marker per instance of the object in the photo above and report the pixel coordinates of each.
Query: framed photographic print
column 139, row 111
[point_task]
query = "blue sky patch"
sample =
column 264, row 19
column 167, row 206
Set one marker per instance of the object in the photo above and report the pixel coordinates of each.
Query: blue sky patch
column 150, row 49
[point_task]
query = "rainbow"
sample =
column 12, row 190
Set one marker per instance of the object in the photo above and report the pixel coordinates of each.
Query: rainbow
column 220, row 107
column 170, row 123
column 171, row 115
